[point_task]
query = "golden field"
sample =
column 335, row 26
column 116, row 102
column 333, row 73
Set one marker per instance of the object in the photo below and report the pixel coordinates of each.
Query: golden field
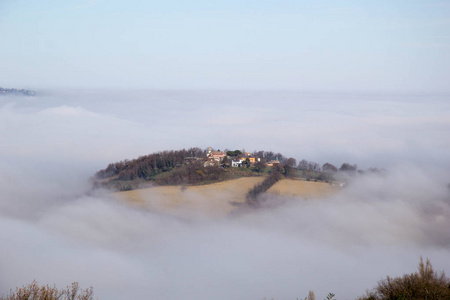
column 213, row 199
column 301, row 188
column 217, row 199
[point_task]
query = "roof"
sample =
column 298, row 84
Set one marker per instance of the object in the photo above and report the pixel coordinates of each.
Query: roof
column 217, row 153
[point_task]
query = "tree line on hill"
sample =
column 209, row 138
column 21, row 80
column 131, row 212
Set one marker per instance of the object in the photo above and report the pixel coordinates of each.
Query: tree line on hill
column 191, row 174
column 187, row 167
column 258, row 189
column 147, row 166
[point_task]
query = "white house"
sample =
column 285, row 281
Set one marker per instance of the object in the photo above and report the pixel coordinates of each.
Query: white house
column 237, row 163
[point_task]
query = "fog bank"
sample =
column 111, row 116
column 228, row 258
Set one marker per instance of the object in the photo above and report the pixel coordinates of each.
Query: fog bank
column 55, row 230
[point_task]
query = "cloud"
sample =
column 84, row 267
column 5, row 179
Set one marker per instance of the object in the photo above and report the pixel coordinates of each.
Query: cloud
column 379, row 225
column 55, row 230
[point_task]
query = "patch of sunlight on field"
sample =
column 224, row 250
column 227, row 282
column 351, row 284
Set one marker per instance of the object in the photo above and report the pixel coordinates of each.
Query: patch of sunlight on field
column 301, row 188
column 217, row 199
column 214, row 200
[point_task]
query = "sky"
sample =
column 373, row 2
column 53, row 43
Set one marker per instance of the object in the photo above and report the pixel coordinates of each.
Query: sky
column 400, row 46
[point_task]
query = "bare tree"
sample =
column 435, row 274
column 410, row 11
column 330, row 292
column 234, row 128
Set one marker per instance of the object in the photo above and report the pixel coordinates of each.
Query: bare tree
column 291, row 162
column 303, row 165
column 329, row 168
column 348, row 168
column 313, row 166
column 259, row 166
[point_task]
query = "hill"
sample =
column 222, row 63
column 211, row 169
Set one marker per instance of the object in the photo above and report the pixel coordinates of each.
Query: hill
column 217, row 199
column 197, row 166
column 301, row 188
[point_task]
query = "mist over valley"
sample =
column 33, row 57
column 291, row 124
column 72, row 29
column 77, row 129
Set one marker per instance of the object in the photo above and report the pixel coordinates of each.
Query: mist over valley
column 57, row 230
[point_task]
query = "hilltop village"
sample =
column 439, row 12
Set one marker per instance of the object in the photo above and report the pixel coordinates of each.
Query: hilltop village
column 196, row 166
column 233, row 159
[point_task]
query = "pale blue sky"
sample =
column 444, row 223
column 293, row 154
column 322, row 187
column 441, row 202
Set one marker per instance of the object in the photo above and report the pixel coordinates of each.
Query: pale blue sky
column 306, row 45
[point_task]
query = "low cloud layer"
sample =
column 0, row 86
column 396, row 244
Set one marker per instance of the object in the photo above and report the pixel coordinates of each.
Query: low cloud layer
column 370, row 130
column 54, row 230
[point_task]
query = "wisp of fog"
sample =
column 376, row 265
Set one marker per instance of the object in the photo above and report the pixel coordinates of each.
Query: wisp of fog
column 55, row 229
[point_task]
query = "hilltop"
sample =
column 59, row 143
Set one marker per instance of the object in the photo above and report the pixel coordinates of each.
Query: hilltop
column 215, row 182
column 197, row 166
column 217, row 199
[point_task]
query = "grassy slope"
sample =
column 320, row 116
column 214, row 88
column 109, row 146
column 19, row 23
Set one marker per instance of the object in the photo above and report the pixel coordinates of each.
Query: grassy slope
column 170, row 178
column 212, row 199
column 301, row 188
column 215, row 200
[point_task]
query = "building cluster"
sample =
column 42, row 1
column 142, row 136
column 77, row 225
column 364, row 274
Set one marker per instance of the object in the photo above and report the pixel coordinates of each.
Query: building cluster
column 217, row 158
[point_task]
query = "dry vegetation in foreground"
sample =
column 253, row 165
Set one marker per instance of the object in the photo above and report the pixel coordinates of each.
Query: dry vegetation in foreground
column 426, row 284
column 35, row 292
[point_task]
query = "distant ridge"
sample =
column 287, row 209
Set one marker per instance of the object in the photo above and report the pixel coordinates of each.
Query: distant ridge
column 16, row 92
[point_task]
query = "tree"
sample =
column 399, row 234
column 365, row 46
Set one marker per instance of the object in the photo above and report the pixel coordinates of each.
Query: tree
column 268, row 156
column 313, row 166
column 247, row 162
column 234, row 153
column 291, row 162
column 277, row 168
column 425, row 284
column 289, row 166
column 303, row 165
column 259, row 166
column 329, row 168
column 279, row 157
column 262, row 187
column 348, row 168
column 226, row 162
column 259, row 154
column 196, row 152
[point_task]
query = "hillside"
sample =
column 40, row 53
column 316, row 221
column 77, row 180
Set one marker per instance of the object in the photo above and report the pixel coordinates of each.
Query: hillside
column 213, row 199
column 217, row 199
column 301, row 188
column 182, row 167
column 197, row 166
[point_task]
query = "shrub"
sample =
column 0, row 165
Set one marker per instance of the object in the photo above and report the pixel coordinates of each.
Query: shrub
column 35, row 292
column 425, row 284
column 262, row 187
